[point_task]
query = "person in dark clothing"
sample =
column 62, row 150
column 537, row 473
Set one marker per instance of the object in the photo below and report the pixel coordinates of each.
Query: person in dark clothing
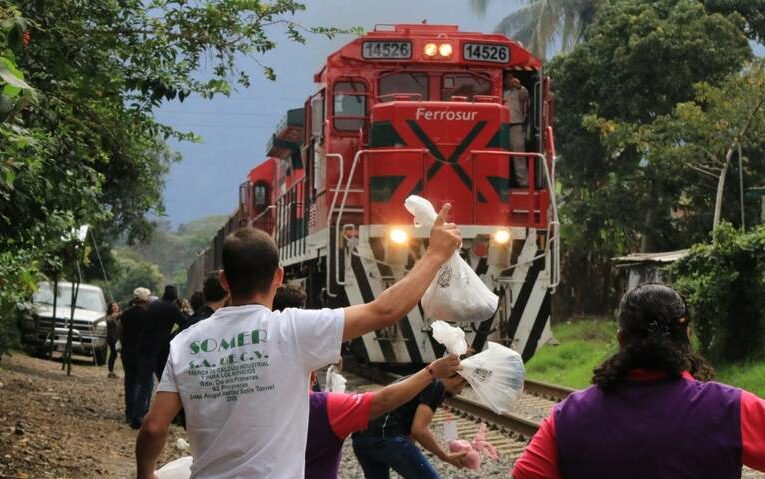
column 161, row 316
column 197, row 300
column 112, row 334
column 154, row 345
column 132, row 321
column 387, row 442
column 214, row 296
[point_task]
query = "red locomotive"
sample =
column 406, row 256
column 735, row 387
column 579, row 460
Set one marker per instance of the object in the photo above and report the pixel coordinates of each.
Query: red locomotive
column 413, row 109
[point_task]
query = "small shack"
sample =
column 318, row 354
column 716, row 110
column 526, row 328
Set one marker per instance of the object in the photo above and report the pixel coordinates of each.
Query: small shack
column 646, row 267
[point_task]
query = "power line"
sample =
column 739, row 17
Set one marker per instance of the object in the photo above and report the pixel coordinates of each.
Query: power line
column 226, row 113
column 200, row 125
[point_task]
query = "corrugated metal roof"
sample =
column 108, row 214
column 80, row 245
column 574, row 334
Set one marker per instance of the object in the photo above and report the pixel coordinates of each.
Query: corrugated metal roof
column 661, row 257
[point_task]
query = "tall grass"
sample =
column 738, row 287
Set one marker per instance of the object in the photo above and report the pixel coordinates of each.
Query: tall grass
column 584, row 343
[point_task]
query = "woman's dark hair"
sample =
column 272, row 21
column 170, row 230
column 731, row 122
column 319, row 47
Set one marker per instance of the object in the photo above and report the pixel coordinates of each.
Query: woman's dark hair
column 110, row 308
column 289, row 296
column 653, row 319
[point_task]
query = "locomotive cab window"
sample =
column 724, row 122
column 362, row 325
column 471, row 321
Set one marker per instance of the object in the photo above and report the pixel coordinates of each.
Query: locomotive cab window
column 403, row 83
column 350, row 105
column 260, row 196
column 464, row 84
column 243, row 193
column 317, row 116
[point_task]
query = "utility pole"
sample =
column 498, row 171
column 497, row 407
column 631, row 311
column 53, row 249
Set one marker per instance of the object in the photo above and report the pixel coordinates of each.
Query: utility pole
column 78, row 240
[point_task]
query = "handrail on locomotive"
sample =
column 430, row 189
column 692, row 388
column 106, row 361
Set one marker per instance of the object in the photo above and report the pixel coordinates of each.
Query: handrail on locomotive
column 553, row 225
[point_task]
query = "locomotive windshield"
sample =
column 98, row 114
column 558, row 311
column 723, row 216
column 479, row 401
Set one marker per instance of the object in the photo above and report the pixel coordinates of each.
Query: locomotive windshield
column 350, row 105
column 403, row 83
column 464, row 84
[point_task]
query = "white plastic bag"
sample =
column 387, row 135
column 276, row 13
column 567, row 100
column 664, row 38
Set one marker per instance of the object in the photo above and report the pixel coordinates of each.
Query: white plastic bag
column 334, row 380
column 496, row 375
column 457, row 294
column 178, row 469
column 451, row 337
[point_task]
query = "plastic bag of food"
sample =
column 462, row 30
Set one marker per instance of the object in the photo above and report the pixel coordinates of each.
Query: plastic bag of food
column 496, row 375
column 451, row 337
column 334, row 380
column 456, row 294
column 178, row 469
column 474, row 449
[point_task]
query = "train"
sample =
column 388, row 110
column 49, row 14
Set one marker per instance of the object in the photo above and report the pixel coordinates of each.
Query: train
column 412, row 109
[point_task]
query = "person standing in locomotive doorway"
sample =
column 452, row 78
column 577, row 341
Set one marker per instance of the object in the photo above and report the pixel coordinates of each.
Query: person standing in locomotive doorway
column 517, row 101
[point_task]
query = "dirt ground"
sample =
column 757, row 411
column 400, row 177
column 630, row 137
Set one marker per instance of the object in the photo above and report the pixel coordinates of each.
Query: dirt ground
column 54, row 425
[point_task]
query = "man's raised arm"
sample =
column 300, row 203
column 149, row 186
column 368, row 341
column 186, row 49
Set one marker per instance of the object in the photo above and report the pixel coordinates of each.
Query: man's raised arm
column 395, row 302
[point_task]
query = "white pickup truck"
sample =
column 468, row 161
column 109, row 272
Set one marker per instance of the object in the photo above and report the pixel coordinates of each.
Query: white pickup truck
column 89, row 332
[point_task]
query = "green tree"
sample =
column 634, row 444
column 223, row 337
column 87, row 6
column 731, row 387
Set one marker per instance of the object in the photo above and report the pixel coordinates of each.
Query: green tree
column 638, row 61
column 85, row 147
column 133, row 272
column 540, row 24
column 752, row 10
column 699, row 138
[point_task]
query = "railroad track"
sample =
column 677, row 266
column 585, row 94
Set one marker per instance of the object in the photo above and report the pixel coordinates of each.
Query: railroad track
column 509, row 433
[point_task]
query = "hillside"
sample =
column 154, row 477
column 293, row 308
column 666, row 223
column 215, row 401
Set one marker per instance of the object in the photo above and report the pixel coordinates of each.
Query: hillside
column 164, row 259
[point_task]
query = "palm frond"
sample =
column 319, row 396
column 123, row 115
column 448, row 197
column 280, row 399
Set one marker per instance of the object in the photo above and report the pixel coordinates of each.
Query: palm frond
column 519, row 25
column 548, row 25
column 569, row 31
column 479, row 6
column 540, row 23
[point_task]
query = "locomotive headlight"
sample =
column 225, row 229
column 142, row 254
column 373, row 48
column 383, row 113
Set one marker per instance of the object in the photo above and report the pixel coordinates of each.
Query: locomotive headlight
column 500, row 249
column 430, row 49
column 445, row 49
column 501, row 236
column 399, row 236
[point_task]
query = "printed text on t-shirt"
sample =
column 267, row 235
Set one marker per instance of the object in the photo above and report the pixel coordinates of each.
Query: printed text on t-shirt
column 233, row 373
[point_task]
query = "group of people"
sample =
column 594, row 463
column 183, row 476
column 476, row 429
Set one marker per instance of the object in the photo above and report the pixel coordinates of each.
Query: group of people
column 244, row 378
column 383, row 423
column 144, row 331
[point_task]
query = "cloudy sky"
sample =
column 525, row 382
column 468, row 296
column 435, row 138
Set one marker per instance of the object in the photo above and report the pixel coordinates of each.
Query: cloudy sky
column 236, row 129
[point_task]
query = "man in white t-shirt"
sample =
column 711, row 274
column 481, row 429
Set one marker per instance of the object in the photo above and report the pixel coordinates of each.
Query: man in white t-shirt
column 242, row 375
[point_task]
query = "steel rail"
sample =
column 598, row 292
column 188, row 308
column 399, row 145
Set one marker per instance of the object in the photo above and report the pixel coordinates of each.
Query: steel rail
column 547, row 390
column 510, row 422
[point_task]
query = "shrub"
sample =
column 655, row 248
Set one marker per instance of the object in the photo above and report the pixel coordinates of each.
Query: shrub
column 724, row 284
column 18, row 279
